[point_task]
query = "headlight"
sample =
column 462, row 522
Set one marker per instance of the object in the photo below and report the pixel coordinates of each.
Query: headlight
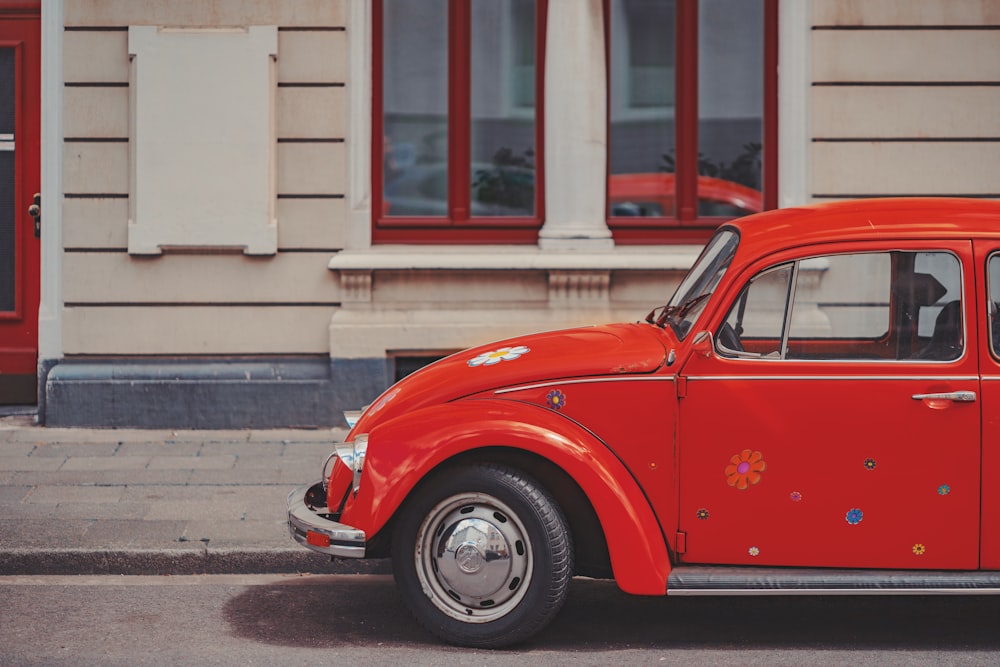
column 352, row 454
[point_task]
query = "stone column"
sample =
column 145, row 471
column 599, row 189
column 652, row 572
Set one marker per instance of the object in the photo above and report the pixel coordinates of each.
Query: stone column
column 576, row 142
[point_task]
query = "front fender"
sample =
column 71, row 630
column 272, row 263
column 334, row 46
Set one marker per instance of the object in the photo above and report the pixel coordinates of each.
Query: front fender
column 402, row 451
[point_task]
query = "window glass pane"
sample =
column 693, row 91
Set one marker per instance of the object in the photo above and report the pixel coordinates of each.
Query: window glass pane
column 503, row 113
column 842, row 296
column 754, row 325
column 642, row 78
column 730, row 106
column 415, row 99
column 994, row 271
column 939, row 324
column 899, row 305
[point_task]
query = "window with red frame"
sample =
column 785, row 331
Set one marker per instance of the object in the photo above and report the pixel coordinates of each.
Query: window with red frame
column 457, row 132
column 692, row 115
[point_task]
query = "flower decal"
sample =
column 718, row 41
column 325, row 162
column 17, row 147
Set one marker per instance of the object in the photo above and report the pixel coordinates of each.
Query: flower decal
column 795, row 496
column 744, row 469
column 854, row 516
column 753, row 551
column 870, row 464
column 496, row 356
column 944, row 490
column 919, row 549
column 702, row 514
column 555, row 399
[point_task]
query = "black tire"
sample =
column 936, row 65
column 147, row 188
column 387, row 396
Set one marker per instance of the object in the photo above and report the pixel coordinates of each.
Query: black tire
column 482, row 556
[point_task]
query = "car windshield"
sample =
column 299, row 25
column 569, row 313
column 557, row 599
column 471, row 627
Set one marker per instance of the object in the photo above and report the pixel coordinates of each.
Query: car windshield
column 692, row 294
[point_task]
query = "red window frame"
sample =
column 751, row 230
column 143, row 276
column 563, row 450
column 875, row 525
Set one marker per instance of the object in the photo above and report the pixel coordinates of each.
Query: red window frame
column 458, row 227
column 685, row 225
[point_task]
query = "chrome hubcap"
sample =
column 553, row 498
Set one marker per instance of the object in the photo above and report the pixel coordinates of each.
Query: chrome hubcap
column 473, row 557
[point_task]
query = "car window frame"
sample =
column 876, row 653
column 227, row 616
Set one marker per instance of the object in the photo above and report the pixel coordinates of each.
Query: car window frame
column 734, row 355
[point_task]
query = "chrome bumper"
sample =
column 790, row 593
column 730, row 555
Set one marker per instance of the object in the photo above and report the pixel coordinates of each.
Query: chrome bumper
column 323, row 535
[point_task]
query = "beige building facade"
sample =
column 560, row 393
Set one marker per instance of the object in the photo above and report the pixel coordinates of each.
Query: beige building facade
column 210, row 248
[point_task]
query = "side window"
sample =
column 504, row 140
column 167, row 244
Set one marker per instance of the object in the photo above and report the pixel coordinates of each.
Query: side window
column 755, row 324
column 879, row 306
column 993, row 269
column 842, row 308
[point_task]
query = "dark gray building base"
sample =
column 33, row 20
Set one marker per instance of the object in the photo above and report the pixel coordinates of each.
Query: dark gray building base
column 224, row 393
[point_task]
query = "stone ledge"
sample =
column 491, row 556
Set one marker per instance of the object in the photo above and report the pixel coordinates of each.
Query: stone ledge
column 514, row 258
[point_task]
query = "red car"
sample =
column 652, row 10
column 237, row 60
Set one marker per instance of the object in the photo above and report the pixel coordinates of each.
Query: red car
column 815, row 410
column 653, row 194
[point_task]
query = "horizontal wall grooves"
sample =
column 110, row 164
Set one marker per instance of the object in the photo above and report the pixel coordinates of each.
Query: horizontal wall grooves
column 905, row 27
column 847, row 195
column 907, row 139
column 901, row 108
column 203, row 304
column 202, row 301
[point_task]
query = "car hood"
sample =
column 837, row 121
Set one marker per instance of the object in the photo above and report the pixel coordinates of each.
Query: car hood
column 615, row 349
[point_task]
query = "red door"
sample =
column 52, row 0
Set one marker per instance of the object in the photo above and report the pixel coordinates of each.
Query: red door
column 20, row 105
column 850, row 436
column 988, row 253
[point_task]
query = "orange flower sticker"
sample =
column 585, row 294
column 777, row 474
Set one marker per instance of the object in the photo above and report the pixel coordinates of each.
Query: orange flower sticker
column 744, row 469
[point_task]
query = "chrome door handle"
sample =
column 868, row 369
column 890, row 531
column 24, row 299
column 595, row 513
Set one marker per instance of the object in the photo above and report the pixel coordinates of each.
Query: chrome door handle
column 957, row 396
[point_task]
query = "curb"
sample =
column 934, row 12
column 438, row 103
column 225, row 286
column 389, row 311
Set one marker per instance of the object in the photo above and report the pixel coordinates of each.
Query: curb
column 174, row 562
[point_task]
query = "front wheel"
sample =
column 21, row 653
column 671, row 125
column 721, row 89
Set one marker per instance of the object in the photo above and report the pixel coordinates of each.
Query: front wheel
column 482, row 556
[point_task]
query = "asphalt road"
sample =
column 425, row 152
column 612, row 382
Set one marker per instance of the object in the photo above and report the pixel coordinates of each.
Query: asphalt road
column 359, row 620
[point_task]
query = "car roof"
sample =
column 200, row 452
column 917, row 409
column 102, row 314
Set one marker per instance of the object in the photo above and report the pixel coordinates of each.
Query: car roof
column 911, row 218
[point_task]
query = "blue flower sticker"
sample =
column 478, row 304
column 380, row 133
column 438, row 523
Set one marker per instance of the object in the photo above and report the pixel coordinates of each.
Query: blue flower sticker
column 854, row 516
column 555, row 399
column 870, row 464
column 944, row 490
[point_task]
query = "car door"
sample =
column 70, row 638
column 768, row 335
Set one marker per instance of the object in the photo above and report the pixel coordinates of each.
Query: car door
column 832, row 419
column 988, row 257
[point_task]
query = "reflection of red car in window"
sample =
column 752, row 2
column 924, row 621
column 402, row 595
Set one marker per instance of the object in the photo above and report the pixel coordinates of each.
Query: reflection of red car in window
column 422, row 190
column 652, row 194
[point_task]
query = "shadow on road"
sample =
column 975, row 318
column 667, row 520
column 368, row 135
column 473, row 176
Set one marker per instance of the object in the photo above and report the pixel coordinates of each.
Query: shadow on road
column 338, row 611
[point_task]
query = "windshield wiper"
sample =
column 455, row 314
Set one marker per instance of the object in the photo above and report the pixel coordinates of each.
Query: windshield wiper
column 666, row 312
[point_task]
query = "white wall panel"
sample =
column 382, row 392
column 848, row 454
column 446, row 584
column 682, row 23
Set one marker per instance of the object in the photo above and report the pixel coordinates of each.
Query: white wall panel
column 905, row 55
column 96, row 112
column 312, row 56
column 305, row 13
column 906, row 111
column 209, row 329
column 95, row 167
column 311, row 113
column 877, row 168
column 95, row 56
column 906, row 12
column 115, row 277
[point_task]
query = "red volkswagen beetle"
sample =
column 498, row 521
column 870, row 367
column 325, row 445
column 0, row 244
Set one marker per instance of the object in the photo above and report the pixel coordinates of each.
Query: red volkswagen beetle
column 815, row 410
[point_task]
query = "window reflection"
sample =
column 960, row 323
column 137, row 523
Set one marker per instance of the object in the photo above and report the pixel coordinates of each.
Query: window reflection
column 415, row 99
column 642, row 106
column 730, row 96
column 495, row 134
column 644, row 103
column 503, row 114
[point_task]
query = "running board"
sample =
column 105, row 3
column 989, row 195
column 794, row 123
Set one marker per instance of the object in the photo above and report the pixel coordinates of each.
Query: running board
column 724, row 580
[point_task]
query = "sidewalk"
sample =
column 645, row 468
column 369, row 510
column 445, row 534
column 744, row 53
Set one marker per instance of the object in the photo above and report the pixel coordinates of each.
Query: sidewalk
column 88, row 501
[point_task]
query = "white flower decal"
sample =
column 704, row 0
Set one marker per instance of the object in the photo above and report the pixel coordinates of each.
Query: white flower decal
column 496, row 356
